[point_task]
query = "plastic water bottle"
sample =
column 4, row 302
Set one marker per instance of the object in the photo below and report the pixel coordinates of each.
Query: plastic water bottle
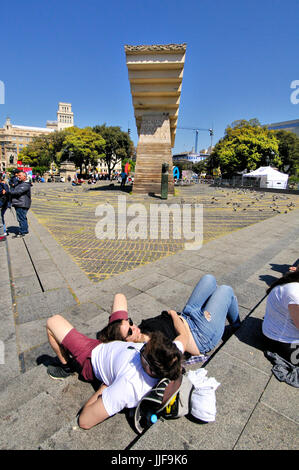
column 152, row 418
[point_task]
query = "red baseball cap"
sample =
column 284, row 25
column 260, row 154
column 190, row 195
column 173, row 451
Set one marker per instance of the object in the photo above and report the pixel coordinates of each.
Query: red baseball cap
column 119, row 315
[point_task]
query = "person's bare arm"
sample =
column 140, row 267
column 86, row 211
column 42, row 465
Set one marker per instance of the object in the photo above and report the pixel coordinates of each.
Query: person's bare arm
column 180, row 328
column 294, row 312
column 93, row 411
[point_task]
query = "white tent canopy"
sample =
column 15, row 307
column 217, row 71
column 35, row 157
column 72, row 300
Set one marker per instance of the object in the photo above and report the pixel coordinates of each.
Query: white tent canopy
column 269, row 178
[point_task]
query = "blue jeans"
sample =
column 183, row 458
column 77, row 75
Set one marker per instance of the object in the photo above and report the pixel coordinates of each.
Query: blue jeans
column 207, row 310
column 22, row 219
column 3, row 210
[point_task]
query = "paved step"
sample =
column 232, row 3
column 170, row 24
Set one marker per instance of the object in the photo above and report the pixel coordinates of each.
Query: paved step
column 33, row 407
column 40, row 413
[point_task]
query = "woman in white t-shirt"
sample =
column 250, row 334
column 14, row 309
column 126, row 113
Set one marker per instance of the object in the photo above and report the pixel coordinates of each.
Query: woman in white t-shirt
column 281, row 322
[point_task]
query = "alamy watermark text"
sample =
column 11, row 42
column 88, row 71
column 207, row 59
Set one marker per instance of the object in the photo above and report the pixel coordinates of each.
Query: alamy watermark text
column 153, row 222
column 295, row 94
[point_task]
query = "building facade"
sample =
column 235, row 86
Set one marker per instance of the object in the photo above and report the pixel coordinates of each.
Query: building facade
column 192, row 156
column 291, row 126
column 65, row 117
column 13, row 138
column 103, row 168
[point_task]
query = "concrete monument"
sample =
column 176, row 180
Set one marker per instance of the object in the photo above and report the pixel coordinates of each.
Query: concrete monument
column 155, row 74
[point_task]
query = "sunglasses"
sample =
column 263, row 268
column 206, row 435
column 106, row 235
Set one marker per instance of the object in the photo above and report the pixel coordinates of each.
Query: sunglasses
column 130, row 331
column 146, row 360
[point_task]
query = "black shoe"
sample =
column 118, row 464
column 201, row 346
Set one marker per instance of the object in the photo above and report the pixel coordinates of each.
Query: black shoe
column 19, row 235
column 59, row 372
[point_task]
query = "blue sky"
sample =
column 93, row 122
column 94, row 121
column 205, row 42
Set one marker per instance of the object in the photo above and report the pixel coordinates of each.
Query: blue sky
column 242, row 56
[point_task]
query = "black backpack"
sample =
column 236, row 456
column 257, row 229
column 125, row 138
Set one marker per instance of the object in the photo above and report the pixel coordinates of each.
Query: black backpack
column 169, row 399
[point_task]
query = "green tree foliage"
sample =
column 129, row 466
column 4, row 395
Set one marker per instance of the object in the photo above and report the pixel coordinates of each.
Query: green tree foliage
column 82, row 146
column 43, row 150
column 288, row 147
column 246, row 145
column 118, row 145
column 200, row 167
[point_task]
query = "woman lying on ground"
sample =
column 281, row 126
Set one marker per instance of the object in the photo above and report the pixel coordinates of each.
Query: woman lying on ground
column 281, row 321
column 202, row 320
column 126, row 372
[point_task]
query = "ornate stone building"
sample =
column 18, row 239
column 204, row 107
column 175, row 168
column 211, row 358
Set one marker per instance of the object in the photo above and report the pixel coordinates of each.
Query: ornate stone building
column 13, row 138
column 65, row 117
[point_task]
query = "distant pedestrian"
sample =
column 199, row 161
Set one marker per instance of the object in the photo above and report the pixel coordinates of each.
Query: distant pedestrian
column 123, row 179
column 21, row 201
column 13, row 181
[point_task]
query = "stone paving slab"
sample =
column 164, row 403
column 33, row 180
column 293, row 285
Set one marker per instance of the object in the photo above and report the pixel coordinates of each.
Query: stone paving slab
column 247, row 344
column 266, row 430
column 39, row 422
column 44, row 304
column 171, row 292
column 112, row 435
column 27, row 285
column 164, row 437
column 272, row 398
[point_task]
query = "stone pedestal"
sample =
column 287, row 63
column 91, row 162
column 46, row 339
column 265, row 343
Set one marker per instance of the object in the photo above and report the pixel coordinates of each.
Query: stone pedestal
column 153, row 149
column 67, row 169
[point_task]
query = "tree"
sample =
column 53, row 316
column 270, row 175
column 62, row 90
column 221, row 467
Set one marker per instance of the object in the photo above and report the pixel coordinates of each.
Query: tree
column 118, row 145
column 246, row 145
column 82, row 146
column 200, row 167
column 43, row 150
column 288, row 147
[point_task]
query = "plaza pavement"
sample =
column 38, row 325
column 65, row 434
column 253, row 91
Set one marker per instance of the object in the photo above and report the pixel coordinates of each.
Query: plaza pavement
column 38, row 278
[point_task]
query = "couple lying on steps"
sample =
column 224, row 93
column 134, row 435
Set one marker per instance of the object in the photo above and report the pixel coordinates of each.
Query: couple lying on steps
column 129, row 360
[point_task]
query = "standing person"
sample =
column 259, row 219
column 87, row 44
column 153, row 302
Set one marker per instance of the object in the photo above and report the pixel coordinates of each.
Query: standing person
column 4, row 201
column 13, row 180
column 123, row 179
column 21, row 201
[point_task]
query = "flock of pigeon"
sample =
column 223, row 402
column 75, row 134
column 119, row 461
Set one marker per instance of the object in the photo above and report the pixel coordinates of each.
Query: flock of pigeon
column 253, row 199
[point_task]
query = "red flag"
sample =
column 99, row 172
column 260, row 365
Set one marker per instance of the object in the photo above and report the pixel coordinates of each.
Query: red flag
column 127, row 167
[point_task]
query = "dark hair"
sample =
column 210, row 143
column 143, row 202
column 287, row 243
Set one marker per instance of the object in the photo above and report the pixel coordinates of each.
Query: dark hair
column 163, row 356
column 291, row 276
column 111, row 332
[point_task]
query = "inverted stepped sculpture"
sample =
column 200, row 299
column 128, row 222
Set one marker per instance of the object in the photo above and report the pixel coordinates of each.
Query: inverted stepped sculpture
column 155, row 74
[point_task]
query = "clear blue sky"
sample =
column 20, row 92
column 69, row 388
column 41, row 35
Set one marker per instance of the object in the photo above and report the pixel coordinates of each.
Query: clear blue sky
column 242, row 56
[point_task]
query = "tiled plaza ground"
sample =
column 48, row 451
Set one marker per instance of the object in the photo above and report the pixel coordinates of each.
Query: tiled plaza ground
column 69, row 213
